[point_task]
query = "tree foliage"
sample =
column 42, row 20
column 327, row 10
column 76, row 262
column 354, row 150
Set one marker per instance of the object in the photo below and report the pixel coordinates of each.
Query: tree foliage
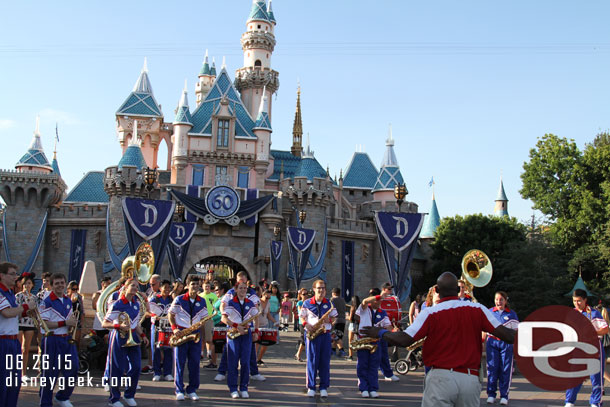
column 572, row 188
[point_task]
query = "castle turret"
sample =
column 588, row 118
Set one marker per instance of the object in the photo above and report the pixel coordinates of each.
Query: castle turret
column 431, row 222
column 142, row 107
column 389, row 174
column 258, row 43
column 183, row 123
column 297, row 128
column 206, row 80
column 262, row 130
column 34, row 160
column 501, row 207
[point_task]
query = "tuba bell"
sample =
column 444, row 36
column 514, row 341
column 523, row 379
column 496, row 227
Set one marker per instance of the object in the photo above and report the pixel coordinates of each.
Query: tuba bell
column 476, row 269
column 140, row 266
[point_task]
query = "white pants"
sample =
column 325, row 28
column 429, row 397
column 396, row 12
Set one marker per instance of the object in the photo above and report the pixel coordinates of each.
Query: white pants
column 445, row 388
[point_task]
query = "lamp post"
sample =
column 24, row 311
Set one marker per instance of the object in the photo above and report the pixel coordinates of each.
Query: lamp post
column 179, row 212
column 302, row 216
column 400, row 191
column 150, row 178
column 276, row 231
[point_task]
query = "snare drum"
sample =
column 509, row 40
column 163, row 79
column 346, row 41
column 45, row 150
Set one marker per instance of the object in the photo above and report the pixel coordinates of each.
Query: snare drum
column 163, row 339
column 267, row 336
column 220, row 335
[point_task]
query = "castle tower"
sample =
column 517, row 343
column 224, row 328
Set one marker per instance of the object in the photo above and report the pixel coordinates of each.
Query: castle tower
column 389, row 174
column 183, row 123
column 34, row 160
column 262, row 130
column 258, row 43
column 297, row 129
column 142, row 107
column 54, row 163
column 501, row 207
column 206, row 80
column 432, row 221
column 28, row 192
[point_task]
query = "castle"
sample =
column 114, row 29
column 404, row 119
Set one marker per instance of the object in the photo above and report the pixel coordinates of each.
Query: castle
column 225, row 138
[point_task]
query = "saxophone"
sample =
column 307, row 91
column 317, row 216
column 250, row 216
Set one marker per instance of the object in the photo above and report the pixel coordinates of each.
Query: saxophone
column 234, row 332
column 318, row 327
column 366, row 343
column 187, row 334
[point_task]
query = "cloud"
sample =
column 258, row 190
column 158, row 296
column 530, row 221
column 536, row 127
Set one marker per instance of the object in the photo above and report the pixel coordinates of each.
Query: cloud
column 7, row 124
column 54, row 115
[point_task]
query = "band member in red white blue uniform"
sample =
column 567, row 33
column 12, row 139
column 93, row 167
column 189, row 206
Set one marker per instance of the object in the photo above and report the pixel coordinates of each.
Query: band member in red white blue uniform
column 241, row 277
column 318, row 349
column 393, row 311
column 237, row 311
column 579, row 298
column 163, row 356
column 56, row 311
column 185, row 311
column 368, row 362
column 9, row 328
column 500, row 353
column 124, row 360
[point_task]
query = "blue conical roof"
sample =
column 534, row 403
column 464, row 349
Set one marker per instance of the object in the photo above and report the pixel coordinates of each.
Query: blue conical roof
column 259, row 11
column 35, row 156
column 141, row 101
column 205, row 69
column 270, row 12
column 361, row 172
column 580, row 284
column 501, row 194
column 133, row 157
column 183, row 115
column 432, row 221
column 55, row 166
column 389, row 174
column 262, row 119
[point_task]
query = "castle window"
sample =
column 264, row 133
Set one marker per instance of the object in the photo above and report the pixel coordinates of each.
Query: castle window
column 259, row 26
column 257, row 63
column 221, row 175
column 198, row 173
column 222, row 139
column 351, row 192
column 243, row 177
column 364, row 193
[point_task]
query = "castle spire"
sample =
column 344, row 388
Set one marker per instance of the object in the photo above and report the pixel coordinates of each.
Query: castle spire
column 432, row 221
column 143, row 83
column 501, row 206
column 297, row 128
column 54, row 163
column 389, row 174
column 183, row 114
column 34, row 159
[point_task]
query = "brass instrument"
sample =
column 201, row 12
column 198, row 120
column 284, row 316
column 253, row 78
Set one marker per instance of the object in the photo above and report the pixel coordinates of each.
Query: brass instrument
column 124, row 317
column 39, row 322
column 141, row 266
column 72, row 330
column 367, row 343
column 476, row 270
column 234, row 332
column 318, row 327
column 187, row 334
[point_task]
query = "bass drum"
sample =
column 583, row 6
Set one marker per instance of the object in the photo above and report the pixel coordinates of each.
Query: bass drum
column 267, row 336
column 163, row 339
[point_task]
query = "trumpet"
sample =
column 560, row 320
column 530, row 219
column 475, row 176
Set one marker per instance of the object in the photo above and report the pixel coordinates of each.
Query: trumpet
column 124, row 318
column 39, row 322
column 73, row 329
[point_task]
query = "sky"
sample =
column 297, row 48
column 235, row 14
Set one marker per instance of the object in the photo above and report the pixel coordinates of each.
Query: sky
column 468, row 87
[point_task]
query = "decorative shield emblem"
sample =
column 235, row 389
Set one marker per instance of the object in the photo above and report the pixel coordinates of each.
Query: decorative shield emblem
column 399, row 229
column 301, row 238
column 222, row 201
column 148, row 217
column 181, row 233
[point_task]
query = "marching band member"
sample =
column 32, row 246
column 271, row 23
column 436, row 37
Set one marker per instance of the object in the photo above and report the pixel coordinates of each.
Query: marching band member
column 318, row 349
column 500, row 353
column 124, row 360
column 162, row 358
column 237, row 311
column 27, row 329
column 384, row 365
column 241, row 277
column 579, row 298
column 56, row 311
column 9, row 327
column 185, row 311
column 368, row 362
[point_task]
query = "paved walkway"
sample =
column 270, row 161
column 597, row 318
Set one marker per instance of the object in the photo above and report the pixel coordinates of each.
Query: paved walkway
column 285, row 386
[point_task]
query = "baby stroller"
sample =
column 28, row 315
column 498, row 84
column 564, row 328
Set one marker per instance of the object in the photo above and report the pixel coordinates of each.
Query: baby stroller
column 94, row 356
column 412, row 360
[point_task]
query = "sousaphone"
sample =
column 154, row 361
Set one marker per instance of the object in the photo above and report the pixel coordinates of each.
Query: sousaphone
column 476, row 269
column 139, row 266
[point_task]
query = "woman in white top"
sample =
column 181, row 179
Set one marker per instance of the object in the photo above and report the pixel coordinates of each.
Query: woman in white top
column 265, row 319
column 27, row 329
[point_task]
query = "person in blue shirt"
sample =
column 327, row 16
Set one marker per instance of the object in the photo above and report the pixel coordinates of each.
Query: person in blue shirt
column 124, row 361
column 500, row 353
column 579, row 299
column 162, row 357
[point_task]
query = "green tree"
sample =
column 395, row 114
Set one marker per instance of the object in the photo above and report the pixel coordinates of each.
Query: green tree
column 493, row 235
